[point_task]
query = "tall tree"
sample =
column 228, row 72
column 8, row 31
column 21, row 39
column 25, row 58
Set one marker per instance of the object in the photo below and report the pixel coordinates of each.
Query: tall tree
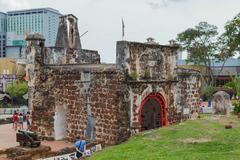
column 200, row 43
column 229, row 41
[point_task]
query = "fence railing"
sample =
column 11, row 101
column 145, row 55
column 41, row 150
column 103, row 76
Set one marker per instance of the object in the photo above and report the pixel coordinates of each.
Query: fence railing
column 6, row 111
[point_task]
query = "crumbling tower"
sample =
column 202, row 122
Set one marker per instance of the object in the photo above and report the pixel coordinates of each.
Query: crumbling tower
column 68, row 34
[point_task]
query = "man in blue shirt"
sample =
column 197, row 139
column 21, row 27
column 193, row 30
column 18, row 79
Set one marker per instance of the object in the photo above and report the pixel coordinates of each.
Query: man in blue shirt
column 80, row 146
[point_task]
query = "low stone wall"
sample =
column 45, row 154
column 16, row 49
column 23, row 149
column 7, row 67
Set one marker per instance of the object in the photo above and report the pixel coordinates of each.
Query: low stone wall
column 21, row 153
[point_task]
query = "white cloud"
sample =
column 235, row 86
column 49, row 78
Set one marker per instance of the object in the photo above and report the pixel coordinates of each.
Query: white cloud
column 156, row 4
column 6, row 5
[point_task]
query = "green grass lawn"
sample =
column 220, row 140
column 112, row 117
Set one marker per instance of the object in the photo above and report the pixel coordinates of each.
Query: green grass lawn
column 201, row 139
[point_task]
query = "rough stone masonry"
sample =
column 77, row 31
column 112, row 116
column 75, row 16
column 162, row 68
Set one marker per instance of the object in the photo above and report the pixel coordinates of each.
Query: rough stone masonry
column 71, row 92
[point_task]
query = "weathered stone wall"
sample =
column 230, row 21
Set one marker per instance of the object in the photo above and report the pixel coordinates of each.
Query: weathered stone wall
column 181, row 98
column 150, row 69
column 94, row 102
column 60, row 55
column 34, row 67
column 107, row 107
column 145, row 61
column 92, row 95
column 55, row 55
column 187, row 91
column 92, row 56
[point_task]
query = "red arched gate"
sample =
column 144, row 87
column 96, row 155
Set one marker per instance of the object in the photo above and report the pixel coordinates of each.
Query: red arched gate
column 160, row 100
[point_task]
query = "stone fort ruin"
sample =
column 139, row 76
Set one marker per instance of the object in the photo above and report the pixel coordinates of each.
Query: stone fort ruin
column 71, row 92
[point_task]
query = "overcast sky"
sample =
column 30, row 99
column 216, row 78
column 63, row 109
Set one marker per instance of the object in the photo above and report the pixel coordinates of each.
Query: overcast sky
column 160, row 19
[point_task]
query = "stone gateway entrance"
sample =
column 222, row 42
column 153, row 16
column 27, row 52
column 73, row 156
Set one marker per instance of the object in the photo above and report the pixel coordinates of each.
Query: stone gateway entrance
column 105, row 102
column 60, row 123
column 152, row 112
column 151, row 117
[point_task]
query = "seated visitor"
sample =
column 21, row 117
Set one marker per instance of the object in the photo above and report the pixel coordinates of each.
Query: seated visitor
column 80, row 146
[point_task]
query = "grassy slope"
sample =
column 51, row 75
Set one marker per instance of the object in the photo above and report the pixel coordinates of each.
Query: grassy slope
column 202, row 139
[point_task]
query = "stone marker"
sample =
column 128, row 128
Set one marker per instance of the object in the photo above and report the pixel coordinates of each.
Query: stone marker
column 221, row 103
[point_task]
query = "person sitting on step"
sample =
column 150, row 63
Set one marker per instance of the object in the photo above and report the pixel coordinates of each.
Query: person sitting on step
column 80, row 146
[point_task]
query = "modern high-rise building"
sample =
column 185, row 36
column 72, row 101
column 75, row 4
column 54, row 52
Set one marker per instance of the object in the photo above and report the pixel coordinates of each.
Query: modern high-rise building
column 19, row 23
column 3, row 29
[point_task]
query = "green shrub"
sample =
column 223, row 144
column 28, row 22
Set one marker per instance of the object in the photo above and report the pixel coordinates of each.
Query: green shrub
column 234, row 85
column 208, row 92
column 16, row 90
column 236, row 109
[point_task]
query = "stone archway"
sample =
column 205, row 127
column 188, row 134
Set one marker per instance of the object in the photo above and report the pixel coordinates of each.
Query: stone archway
column 152, row 112
column 60, row 122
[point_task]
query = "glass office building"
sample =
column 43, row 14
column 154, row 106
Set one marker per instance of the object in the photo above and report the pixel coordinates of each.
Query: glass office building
column 19, row 23
column 3, row 29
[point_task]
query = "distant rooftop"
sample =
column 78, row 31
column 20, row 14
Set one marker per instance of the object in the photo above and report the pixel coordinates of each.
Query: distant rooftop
column 232, row 62
column 2, row 13
column 32, row 10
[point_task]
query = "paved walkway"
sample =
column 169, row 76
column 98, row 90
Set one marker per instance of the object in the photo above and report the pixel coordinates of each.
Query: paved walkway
column 8, row 139
column 7, row 136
